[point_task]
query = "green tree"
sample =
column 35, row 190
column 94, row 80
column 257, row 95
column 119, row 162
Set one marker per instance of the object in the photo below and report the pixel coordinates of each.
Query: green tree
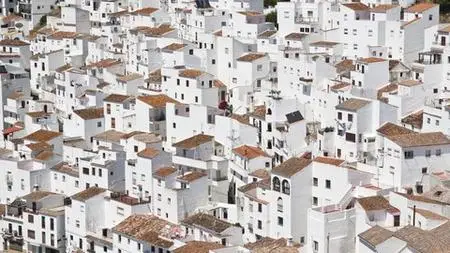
column 272, row 17
column 268, row 3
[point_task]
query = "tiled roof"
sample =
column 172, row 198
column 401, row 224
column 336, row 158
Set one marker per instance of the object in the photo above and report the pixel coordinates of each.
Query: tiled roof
column 39, row 146
column 430, row 215
column 13, row 43
column 374, row 203
column 295, row 36
column 329, row 160
column 414, row 119
column 190, row 73
column 37, row 195
column 90, row 113
column 110, row 135
column 250, row 13
column 174, row 47
column 88, row 193
column 376, row 235
column 409, row 83
column 144, row 11
column 191, row 176
column 423, row 241
column 323, row 43
column 344, row 66
column 38, row 114
column 206, row 221
column 128, row 77
column 420, row 7
column 371, row 60
column 340, row 86
column 157, row 101
column 357, row 6
column 267, row 34
column 198, row 247
column 386, row 89
column 66, row 169
column 164, row 172
column 155, row 31
column 291, row 166
column 148, row 153
column 63, row 35
column 116, row 98
column 391, row 129
column 249, row 152
column 194, row 141
column 105, row 63
column 146, row 228
column 353, row 104
column 420, row 139
column 269, row 245
column 260, row 173
column 44, row 155
column 42, row 135
column 259, row 112
column 420, row 198
column 251, row 57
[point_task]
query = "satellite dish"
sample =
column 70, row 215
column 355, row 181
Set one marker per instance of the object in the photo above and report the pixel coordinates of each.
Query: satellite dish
column 18, row 25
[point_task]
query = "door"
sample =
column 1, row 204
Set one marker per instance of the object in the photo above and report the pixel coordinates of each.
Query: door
column 443, row 40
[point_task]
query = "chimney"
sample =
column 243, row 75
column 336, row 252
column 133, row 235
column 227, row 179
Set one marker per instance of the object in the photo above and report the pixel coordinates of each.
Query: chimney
column 35, row 187
column 289, row 242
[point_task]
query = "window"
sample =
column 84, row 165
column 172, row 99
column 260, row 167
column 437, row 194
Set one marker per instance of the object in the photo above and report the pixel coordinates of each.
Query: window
column 120, row 211
column 350, row 137
column 424, row 170
column 259, row 224
column 286, row 187
column 280, row 221
column 427, row 153
column 85, row 171
column 169, row 201
column 315, row 246
column 328, row 184
column 174, row 125
column 30, row 218
column 409, row 154
column 280, row 204
column 100, row 172
column 438, row 152
column 43, row 221
column 315, row 201
column 339, row 115
column 31, row 234
column 350, row 117
column 52, row 224
column 430, row 17
column 260, row 207
column 315, row 181
column 276, row 184
column 93, row 171
column 259, row 67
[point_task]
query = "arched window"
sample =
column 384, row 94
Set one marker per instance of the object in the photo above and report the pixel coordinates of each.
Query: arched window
column 286, row 187
column 276, row 184
column 280, row 204
column 269, row 111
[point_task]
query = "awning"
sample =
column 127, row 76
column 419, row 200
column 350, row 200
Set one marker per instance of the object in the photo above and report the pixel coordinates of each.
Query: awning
column 12, row 129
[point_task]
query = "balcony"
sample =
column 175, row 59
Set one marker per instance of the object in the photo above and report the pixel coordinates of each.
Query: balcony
column 428, row 58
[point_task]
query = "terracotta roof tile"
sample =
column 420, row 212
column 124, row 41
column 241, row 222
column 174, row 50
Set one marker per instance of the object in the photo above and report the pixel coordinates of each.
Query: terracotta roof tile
column 260, row 173
column 250, row 57
column 146, row 228
column 191, row 176
column 42, row 136
column 353, row 104
column 291, row 166
column 194, row 141
column 391, row 129
column 149, row 153
column 259, row 112
column 157, row 101
column 206, row 221
column 37, row 195
column 129, row 77
column 329, row 160
column 420, row 7
column 88, row 193
column 420, row 139
column 357, row 6
column 250, row 13
column 430, row 215
column 376, row 235
column 144, row 11
column 174, row 47
column 13, row 43
column 414, row 119
column 374, row 203
column 249, row 152
column 105, row 63
column 44, row 155
column 90, row 113
column 116, row 98
column 164, row 172
column 109, row 136
column 324, row 43
column 371, row 60
column 190, row 73
column 344, row 66
column 295, row 36
column 198, row 247
column 38, row 114
column 39, row 146
column 63, row 35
